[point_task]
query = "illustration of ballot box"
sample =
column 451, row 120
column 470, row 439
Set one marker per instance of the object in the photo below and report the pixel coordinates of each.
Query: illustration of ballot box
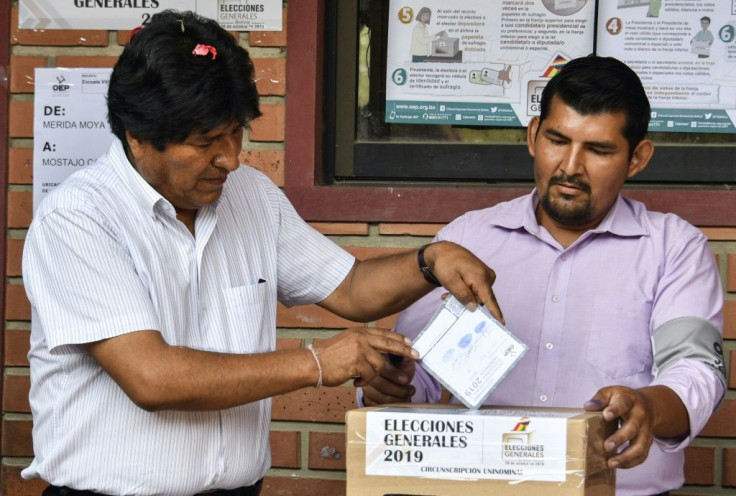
column 700, row 48
column 445, row 47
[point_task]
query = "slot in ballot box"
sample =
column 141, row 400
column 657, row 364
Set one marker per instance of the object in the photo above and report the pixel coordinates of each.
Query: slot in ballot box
column 446, row 450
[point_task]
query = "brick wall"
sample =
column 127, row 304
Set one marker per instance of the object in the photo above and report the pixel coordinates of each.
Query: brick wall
column 307, row 434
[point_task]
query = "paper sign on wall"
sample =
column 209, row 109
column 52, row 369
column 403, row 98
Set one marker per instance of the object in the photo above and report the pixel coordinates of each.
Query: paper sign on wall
column 70, row 126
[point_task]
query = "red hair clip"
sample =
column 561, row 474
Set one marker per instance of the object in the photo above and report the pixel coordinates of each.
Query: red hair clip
column 203, row 50
column 134, row 31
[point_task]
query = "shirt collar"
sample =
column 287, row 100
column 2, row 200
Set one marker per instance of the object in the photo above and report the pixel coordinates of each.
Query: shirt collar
column 621, row 220
column 143, row 193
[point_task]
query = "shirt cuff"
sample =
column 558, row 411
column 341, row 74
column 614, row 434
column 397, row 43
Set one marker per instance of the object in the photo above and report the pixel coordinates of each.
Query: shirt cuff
column 699, row 389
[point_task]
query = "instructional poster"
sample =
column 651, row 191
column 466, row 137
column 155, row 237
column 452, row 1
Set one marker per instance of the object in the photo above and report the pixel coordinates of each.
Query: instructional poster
column 70, row 128
column 476, row 62
column 685, row 54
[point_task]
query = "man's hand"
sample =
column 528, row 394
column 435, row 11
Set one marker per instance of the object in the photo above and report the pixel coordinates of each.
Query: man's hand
column 463, row 275
column 360, row 354
column 392, row 384
column 642, row 414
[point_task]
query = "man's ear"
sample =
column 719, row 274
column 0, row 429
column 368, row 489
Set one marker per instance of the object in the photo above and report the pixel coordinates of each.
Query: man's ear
column 531, row 135
column 137, row 147
column 640, row 158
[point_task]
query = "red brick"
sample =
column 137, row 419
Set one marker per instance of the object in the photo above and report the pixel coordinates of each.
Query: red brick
column 16, row 438
column 13, row 263
column 15, row 393
column 411, row 229
column 20, row 166
column 341, row 228
column 269, row 126
column 366, row 252
column 20, row 119
column 289, row 343
column 721, row 424
column 700, row 465
column 22, row 73
column 731, row 279
column 55, row 37
column 732, row 371
column 76, row 61
column 285, row 449
column 17, row 344
column 720, row 233
column 11, row 483
column 314, row 405
column 311, row 316
column 20, row 208
column 729, row 467
column 270, row 162
column 295, row 486
column 17, row 306
column 327, row 450
column 269, row 38
column 729, row 319
column 270, row 76
column 387, row 322
column 123, row 37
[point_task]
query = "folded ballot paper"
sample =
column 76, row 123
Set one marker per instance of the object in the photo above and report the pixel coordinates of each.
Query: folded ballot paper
column 468, row 352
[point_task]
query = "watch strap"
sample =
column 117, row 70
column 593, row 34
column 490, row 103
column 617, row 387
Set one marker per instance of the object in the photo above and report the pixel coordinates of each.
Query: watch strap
column 426, row 271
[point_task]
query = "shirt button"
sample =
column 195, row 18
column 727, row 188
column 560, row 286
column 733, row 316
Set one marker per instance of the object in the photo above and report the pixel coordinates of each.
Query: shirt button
column 543, row 397
column 549, row 346
column 563, row 257
column 555, row 298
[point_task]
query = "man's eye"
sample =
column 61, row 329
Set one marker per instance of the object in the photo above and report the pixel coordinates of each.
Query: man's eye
column 598, row 151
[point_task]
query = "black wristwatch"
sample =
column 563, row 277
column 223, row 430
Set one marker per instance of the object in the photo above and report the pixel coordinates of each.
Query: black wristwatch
column 426, row 271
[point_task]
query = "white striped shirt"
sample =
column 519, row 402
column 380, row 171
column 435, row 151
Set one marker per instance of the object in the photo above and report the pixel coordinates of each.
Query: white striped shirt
column 104, row 256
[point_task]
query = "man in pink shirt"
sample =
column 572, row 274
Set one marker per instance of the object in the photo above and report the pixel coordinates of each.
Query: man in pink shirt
column 621, row 307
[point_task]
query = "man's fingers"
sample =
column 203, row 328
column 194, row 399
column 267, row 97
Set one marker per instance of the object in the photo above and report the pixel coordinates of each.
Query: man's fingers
column 390, row 342
column 492, row 306
column 635, row 453
column 381, row 391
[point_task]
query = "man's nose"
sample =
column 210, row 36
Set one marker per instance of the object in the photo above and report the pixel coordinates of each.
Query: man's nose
column 228, row 149
column 573, row 161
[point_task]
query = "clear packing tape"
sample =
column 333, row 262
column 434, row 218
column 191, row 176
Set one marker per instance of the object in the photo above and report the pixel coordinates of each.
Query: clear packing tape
column 446, row 450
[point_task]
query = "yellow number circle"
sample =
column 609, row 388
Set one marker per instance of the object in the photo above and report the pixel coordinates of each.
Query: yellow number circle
column 406, row 15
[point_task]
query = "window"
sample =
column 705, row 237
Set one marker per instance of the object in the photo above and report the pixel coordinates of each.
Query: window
column 352, row 166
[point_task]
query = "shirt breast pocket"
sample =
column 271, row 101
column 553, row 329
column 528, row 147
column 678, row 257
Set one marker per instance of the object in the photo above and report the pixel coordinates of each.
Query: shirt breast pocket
column 246, row 310
column 619, row 342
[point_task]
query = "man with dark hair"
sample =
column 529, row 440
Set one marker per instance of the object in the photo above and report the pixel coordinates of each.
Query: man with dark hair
column 154, row 274
column 621, row 307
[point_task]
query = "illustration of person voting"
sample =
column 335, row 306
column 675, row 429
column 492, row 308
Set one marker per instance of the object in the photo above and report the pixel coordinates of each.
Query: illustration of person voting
column 421, row 40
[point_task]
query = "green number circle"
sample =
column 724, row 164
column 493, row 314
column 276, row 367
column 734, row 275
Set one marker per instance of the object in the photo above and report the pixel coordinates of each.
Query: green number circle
column 399, row 77
column 726, row 33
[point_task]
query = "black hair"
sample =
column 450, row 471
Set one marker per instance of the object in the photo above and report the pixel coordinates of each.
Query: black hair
column 161, row 92
column 597, row 85
column 705, row 18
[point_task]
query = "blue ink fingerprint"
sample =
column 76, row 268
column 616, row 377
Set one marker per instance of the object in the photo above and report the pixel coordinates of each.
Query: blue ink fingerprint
column 448, row 355
column 480, row 327
column 465, row 341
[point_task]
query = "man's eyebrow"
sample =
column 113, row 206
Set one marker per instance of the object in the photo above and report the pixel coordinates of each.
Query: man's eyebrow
column 606, row 145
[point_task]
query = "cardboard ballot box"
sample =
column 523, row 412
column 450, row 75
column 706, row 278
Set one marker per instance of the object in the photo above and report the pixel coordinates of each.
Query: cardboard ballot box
column 446, row 450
